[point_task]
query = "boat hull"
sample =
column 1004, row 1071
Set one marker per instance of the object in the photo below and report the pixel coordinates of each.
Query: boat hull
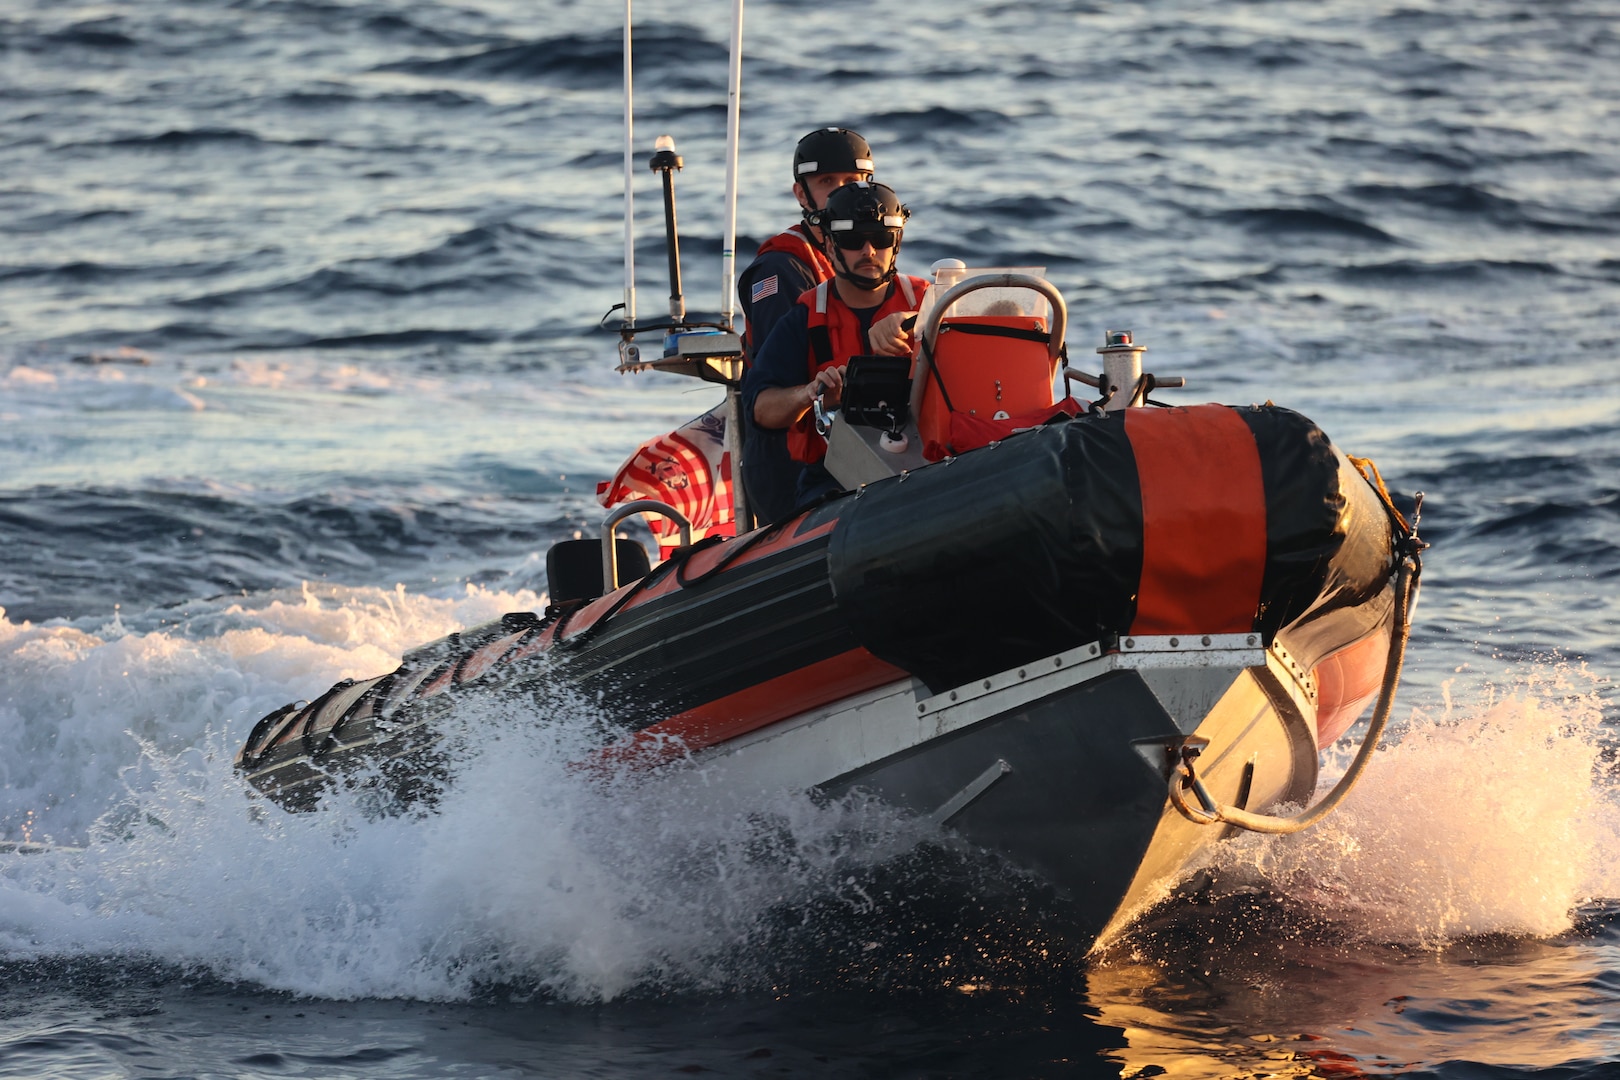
column 1062, row 766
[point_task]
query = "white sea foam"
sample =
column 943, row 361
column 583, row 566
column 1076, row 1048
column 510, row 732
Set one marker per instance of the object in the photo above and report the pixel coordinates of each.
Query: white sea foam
column 37, row 391
column 76, row 702
column 532, row 871
column 1496, row 816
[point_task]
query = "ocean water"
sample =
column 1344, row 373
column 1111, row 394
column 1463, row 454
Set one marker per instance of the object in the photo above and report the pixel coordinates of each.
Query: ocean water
column 299, row 369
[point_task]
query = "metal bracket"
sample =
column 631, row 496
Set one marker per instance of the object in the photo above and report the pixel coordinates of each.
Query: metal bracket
column 974, row 788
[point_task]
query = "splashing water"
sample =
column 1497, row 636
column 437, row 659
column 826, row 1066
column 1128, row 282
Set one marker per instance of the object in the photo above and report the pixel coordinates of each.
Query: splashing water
column 1493, row 819
column 532, row 873
column 76, row 702
column 537, row 875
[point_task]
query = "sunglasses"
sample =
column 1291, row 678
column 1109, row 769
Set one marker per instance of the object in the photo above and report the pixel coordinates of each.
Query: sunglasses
column 854, row 241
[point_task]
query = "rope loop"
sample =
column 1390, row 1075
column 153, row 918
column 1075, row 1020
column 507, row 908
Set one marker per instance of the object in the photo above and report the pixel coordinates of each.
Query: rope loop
column 1211, row 811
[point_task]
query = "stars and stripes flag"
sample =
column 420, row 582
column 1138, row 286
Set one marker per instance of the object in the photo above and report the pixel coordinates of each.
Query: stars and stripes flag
column 690, row 470
column 762, row 289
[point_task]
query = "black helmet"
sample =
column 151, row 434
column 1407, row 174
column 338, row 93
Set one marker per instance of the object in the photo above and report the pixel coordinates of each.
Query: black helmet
column 831, row 149
column 862, row 209
column 861, row 206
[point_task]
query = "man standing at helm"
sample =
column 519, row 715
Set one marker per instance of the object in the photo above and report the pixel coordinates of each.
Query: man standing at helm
column 787, row 265
column 860, row 311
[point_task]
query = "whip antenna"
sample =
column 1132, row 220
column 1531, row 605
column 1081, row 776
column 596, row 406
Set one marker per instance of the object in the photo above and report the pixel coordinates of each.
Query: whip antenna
column 629, row 173
column 728, row 240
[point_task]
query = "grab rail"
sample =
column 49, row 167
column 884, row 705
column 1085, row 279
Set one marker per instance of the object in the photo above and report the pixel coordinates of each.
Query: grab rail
column 610, row 550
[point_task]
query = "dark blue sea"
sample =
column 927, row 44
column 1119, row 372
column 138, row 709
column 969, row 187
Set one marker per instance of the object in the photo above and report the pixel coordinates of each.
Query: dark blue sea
column 299, row 369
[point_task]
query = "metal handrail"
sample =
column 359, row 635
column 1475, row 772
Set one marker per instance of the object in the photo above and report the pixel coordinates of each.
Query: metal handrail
column 610, row 550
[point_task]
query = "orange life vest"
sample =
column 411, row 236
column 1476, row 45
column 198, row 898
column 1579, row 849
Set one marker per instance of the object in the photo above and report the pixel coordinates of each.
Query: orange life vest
column 795, row 241
column 835, row 336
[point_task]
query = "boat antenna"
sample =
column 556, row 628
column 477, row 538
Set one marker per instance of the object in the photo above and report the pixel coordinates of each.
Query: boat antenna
column 728, row 241
column 629, row 180
column 666, row 162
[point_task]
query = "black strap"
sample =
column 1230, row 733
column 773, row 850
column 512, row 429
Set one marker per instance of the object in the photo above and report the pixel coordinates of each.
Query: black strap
column 999, row 331
column 933, row 369
column 821, row 346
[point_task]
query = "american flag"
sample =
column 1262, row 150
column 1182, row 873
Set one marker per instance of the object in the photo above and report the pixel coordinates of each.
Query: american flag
column 765, row 288
column 690, row 470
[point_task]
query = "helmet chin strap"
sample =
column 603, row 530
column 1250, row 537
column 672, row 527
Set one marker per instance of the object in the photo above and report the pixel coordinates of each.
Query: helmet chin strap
column 805, row 212
column 841, row 268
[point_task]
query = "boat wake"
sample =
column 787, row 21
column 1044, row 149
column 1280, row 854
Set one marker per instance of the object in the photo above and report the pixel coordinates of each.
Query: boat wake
column 537, row 876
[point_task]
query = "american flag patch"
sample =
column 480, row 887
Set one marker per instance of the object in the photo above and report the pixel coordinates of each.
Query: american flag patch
column 765, row 288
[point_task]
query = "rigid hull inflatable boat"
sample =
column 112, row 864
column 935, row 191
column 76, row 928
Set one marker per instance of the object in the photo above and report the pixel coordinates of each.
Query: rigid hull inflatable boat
column 1091, row 645
column 1092, row 637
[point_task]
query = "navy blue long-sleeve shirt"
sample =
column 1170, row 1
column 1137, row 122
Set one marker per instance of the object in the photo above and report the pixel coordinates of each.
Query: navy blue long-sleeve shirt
column 769, row 474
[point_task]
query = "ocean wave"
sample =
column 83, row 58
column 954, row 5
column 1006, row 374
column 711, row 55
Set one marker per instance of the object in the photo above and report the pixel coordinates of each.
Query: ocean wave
column 89, row 273
column 328, row 97
column 1267, row 55
column 327, row 284
column 1472, row 200
column 394, row 26
column 183, row 332
column 60, row 220
column 581, row 60
column 1016, row 208
column 991, row 250
column 1327, row 116
column 1407, row 152
column 1566, row 532
column 1284, row 219
column 165, row 678
column 73, row 271
column 1418, row 62
column 172, row 545
column 1144, row 135
column 180, row 139
column 439, row 99
column 857, row 76
column 1468, row 271
column 485, row 259
column 437, row 338
column 94, row 34
column 597, row 159
column 1510, row 517
column 1458, row 198
column 934, row 118
column 1255, row 281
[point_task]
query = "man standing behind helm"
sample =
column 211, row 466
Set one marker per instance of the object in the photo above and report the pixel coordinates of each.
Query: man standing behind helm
column 786, row 265
column 860, row 311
